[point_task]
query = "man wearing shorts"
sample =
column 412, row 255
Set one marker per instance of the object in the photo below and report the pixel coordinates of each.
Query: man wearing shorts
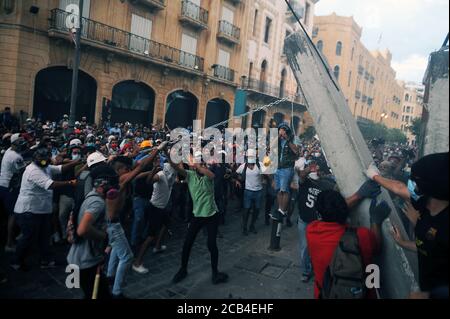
column 287, row 153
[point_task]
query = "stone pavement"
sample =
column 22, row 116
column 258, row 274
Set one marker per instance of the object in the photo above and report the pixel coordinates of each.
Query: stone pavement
column 255, row 272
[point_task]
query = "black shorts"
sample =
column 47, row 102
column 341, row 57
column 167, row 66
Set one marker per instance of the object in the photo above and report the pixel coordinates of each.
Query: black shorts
column 157, row 219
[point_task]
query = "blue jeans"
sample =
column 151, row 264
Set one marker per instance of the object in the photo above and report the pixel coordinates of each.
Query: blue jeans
column 283, row 179
column 141, row 208
column 305, row 259
column 121, row 256
column 252, row 197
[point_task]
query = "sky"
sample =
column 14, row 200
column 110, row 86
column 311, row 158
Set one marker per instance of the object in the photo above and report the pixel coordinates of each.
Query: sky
column 410, row 29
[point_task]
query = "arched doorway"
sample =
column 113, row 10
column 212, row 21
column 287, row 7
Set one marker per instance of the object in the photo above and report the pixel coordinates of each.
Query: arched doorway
column 181, row 109
column 283, row 83
column 258, row 119
column 217, row 110
column 132, row 102
column 279, row 118
column 52, row 93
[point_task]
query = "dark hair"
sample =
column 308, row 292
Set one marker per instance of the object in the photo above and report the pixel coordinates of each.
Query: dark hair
column 332, row 207
column 104, row 171
column 122, row 161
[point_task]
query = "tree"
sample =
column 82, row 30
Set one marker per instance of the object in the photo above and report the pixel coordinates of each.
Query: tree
column 309, row 133
column 416, row 127
column 372, row 130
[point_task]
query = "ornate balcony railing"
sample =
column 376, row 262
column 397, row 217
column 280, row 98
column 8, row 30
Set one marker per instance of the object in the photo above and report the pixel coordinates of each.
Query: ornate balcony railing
column 229, row 31
column 193, row 14
column 271, row 90
column 223, row 73
column 113, row 38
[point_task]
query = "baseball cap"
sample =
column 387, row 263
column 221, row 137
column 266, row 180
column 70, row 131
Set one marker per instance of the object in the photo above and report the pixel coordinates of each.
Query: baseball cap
column 95, row 158
column 15, row 137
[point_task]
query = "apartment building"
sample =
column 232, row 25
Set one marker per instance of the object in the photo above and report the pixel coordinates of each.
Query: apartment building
column 412, row 102
column 366, row 78
column 265, row 74
column 144, row 61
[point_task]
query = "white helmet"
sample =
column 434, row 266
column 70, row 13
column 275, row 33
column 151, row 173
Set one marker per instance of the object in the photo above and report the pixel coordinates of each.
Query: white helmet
column 95, row 158
column 75, row 142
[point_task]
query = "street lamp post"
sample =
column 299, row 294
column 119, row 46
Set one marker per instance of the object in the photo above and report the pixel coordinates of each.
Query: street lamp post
column 76, row 66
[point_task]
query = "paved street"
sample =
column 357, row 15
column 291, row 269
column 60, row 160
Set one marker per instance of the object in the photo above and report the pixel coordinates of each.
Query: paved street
column 255, row 272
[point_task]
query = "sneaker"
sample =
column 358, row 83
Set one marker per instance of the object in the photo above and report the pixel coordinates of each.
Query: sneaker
column 219, row 278
column 306, row 278
column 18, row 267
column 181, row 274
column 48, row 264
column 10, row 249
column 140, row 269
column 162, row 249
column 253, row 230
column 277, row 216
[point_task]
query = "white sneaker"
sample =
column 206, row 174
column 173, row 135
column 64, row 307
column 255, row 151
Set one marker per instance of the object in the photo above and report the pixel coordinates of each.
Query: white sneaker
column 163, row 248
column 140, row 270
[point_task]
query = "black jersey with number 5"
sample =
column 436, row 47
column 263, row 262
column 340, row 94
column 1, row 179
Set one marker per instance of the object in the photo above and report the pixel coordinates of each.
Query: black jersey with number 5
column 307, row 197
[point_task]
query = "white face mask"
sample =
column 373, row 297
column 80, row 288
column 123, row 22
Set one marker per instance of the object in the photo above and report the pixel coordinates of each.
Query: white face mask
column 76, row 157
column 313, row 176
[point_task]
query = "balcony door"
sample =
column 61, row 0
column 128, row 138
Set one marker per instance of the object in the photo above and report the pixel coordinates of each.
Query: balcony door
column 64, row 5
column 189, row 51
column 141, row 31
column 193, row 9
column 228, row 16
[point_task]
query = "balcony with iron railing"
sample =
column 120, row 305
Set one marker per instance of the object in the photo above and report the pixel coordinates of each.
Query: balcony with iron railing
column 118, row 41
column 193, row 15
column 223, row 73
column 229, row 32
column 267, row 89
column 152, row 4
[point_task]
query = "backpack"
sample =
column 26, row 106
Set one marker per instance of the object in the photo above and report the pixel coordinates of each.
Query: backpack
column 72, row 225
column 345, row 276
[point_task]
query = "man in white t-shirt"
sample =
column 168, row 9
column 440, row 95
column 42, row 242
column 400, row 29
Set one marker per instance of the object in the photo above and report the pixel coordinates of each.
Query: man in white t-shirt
column 33, row 209
column 250, row 176
column 11, row 167
column 159, row 218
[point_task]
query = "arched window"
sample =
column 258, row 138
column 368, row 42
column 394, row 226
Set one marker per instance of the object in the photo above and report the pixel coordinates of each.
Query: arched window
column 337, row 70
column 339, row 48
column 320, row 45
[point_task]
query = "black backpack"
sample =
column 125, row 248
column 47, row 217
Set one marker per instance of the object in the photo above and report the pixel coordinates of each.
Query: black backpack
column 72, row 225
column 244, row 173
column 345, row 276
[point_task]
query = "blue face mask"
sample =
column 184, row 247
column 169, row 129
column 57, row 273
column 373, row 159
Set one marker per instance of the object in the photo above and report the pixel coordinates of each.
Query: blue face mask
column 412, row 186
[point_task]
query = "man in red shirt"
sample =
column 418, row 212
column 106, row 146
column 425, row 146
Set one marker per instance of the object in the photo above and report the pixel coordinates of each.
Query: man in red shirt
column 323, row 236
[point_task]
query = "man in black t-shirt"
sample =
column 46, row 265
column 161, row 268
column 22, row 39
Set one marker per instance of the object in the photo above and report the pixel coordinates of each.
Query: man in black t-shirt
column 427, row 196
column 311, row 185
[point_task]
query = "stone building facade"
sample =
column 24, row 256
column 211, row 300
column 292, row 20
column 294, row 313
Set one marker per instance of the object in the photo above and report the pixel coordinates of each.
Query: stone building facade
column 366, row 78
column 145, row 61
column 412, row 108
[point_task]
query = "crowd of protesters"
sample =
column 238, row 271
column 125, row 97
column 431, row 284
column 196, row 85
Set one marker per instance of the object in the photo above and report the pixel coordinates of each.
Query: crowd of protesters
column 110, row 193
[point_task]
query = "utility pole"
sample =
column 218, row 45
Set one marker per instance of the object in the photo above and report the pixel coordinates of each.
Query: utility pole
column 76, row 66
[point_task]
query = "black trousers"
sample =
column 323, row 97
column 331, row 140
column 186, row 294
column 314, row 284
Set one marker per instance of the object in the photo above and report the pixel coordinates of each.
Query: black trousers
column 196, row 224
column 87, row 279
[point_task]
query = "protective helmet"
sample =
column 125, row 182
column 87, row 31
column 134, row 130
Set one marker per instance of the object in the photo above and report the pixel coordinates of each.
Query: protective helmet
column 146, row 144
column 95, row 158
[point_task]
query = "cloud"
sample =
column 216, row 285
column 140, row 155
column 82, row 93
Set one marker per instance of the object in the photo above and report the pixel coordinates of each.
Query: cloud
column 412, row 68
